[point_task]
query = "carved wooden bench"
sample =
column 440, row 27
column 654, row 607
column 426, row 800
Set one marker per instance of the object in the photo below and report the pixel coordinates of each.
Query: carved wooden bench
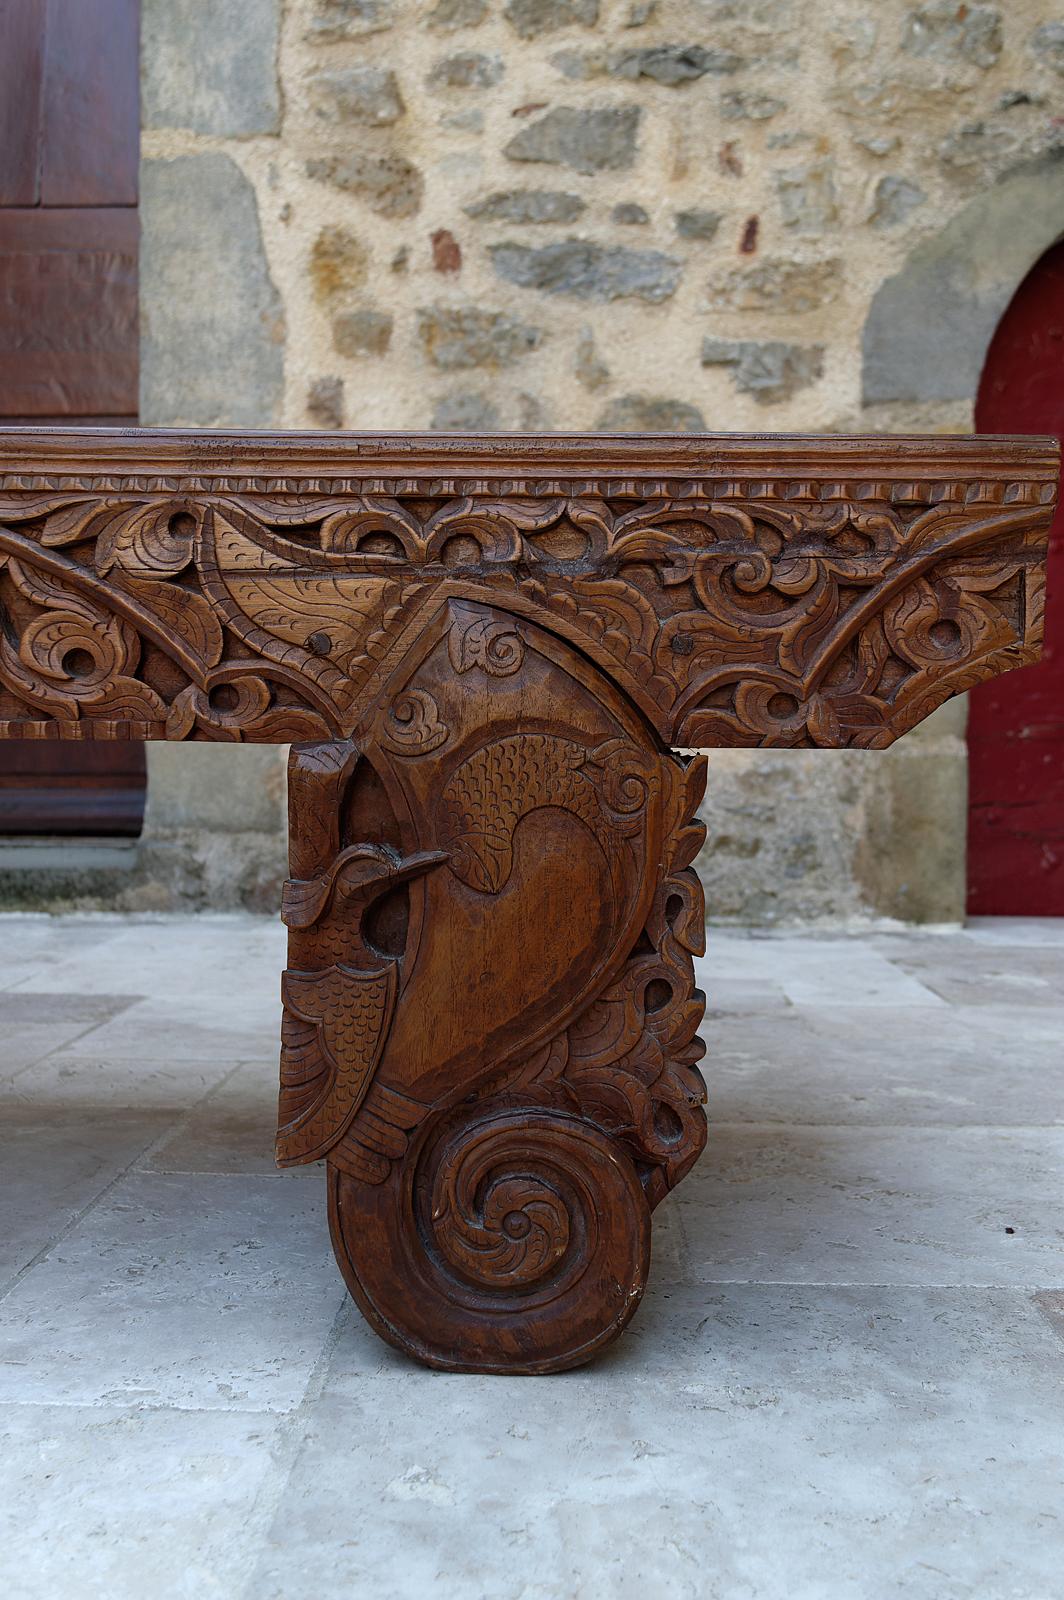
column 482, row 650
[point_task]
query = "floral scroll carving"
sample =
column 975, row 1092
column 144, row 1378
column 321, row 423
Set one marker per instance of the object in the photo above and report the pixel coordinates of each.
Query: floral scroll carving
column 834, row 601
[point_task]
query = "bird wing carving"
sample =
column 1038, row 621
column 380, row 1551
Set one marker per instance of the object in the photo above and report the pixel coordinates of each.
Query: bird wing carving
column 336, row 1022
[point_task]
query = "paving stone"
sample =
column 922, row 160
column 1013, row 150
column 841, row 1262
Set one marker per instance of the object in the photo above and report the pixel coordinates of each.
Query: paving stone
column 874, row 1431
column 191, row 1291
column 56, row 1161
column 813, row 971
column 149, row 1079
column 877, row 1205
column 134, row 1503
column 884, row 1064
column 231, row 1129
column 965, row 973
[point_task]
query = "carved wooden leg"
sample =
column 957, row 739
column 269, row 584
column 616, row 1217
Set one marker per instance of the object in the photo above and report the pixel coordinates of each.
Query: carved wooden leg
column 490, row 1018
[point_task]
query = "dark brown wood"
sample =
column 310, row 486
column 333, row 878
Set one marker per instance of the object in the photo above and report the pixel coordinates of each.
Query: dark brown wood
column 484, row 648
column 43, row 791
column 21, row 82
column 69, row 102
column 68, row 312
column 90, row 123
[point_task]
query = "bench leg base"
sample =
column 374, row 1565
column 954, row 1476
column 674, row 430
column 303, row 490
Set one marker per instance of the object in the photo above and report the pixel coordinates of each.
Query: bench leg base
column 490, row 1014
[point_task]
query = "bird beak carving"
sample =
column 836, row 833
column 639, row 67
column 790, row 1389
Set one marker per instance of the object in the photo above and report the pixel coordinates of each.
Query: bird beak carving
column 360, row 871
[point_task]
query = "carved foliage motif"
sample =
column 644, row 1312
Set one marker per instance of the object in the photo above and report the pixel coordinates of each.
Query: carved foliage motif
column 813, row 613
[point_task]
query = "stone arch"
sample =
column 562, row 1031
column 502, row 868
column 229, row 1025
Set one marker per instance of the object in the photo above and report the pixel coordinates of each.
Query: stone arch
column 930, row 325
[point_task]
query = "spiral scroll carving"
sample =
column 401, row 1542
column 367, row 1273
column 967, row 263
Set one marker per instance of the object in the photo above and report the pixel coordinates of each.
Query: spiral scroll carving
column 529, row 1242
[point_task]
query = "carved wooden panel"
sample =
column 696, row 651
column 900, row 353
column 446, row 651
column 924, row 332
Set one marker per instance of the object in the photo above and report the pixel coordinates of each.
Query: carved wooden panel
column 483, row 649
column 740, row 592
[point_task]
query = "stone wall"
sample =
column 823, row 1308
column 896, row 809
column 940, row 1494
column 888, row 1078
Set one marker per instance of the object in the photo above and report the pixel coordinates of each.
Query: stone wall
column 603, row 214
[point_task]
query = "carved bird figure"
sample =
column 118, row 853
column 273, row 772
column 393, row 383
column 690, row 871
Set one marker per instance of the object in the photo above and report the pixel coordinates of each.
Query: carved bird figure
column 337, row 1018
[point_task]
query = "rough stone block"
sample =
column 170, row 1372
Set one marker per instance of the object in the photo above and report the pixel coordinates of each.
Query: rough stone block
column 776, row 285
column 675, row 64
column 1047, row 42
column 333, row 20
column 630, row 215
column 463, row 412
column 325, row 402
column 895, row 199
column 366, row 95
column 447, row 16
column 212, row 326
column 641, row 413
column 747, row 105
column 338, row 265
column 769, row 370
column 697, row 224
column 469, row 69
column 211, row 66
column 807, row 198
column 532, row 17
column 457, row 338
column 949, row 32
column 588, row 140
column 362, row 333
column 528, row 206
column 588, row 366
column 389, row 184
column 589, row 271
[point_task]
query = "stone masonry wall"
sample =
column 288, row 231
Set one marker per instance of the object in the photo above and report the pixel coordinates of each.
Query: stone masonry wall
column 608, row 214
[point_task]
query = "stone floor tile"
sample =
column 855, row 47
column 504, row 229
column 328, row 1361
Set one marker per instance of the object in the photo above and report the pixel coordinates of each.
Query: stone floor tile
column 887, row 1064
column 196, row 1029
column 811, row 971
column 877, row 1205
column 24, row 1043
column 54, row 1162
column 230, row 1130
column 791, row 1443
column 202, row 1292
column 93, row 1083
column 972, row 973
column 132, row 1504
column 1016, row 931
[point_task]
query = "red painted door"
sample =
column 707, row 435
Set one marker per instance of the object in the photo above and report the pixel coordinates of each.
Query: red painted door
column 1016, row 728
